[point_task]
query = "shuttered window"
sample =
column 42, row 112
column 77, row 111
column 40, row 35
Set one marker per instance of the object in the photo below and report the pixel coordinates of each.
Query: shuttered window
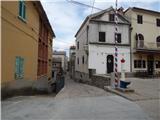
column 102, row 36
column 139, row 19
column 22, row 9
column 19, row 68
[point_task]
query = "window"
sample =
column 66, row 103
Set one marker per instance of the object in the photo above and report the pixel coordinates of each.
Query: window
column 77, row 45
column 158, row 41
column 118, row 36
column 77, row 60
column 19, row 68
column 102, row 36
column 22, row 9
column 139, row 64
column 157, row 64
column 111, row 17
column 140, row 40
column 82, row 59
column 140, row 19
column 158, row 22
column 144, row 64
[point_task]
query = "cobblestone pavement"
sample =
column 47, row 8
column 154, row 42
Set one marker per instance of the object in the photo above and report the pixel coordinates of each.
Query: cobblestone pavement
column 75, row 102
column 148, row 91
column 73, row 89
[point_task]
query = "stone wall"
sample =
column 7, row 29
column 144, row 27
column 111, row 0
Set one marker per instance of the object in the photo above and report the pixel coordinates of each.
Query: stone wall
column 94, row 80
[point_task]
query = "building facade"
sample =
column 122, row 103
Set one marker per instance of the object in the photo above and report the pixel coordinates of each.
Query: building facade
column 95, row 44
column 22, row 37
column 62, row 55
column 145, row 40
column 72, row 58
column 56, row 67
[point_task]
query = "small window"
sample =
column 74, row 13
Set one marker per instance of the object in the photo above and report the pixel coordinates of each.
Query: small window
column 140, row 19
column 157, row 64
column 102, row 36
column 111, row 17
column 144, row 64
column 22, row 9
column 158, row 41
column 158, row 22
column 139, row 64
column 135, row 63
column 19, row 68
column 77, row 45
column 82, row 59
column 118, row 36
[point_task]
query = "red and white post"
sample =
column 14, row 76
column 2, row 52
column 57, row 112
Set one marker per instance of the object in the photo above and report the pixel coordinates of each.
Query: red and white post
column 116, row 50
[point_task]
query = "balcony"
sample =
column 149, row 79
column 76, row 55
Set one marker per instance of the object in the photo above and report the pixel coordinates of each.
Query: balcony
column 147, row 46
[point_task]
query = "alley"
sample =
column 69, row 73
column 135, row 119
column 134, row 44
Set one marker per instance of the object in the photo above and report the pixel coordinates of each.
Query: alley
column 74, row 101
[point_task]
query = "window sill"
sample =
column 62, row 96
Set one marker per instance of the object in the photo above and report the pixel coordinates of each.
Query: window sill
column 22, row 19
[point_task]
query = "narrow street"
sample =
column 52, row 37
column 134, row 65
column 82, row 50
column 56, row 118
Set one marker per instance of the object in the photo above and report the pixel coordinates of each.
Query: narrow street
column 74, row 101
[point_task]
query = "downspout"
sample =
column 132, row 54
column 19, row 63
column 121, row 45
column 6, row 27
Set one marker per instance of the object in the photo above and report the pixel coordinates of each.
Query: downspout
column 130, row 30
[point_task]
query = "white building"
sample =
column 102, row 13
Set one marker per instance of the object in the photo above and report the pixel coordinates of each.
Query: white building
column 63, row 57
column 95, row 43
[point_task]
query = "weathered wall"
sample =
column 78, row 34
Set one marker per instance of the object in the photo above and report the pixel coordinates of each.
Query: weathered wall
column 19, row 38
column 148, row 29
column 82, row 39
column 109, row 29
column 98, row 57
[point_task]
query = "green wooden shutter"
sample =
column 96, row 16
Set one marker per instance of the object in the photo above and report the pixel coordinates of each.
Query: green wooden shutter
column 17, row 67
column 20, row 8
column 21, row 68
column 24, row 11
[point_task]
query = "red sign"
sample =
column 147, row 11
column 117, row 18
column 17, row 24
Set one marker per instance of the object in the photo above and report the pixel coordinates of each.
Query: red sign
column 122, row 60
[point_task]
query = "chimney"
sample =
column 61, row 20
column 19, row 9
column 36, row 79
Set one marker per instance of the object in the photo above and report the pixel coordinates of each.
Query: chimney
column 120, row 10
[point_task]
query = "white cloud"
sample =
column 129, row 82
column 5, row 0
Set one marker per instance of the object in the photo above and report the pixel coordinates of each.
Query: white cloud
column 66, row 18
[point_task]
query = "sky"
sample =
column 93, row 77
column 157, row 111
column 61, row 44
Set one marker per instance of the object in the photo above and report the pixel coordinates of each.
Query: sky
column 66, row 17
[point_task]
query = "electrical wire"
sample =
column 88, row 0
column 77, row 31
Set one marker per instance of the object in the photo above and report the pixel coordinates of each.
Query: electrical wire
column 92, row 6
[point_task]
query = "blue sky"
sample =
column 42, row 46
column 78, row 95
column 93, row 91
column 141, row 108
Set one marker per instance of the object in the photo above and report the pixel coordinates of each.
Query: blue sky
column 66, row 18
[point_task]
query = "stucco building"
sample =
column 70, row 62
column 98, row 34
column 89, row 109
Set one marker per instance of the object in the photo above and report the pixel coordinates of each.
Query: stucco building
column 72, row 58
column 145, row 40
column 62, row 55
column 95, row 44
column 26, row 42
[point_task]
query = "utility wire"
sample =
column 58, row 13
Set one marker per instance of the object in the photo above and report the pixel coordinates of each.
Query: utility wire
column 82, row 4
column 92, row 6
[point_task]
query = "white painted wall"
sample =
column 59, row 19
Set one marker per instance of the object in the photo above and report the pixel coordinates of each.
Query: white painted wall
column 82, row 39
column 64, row 60
column 109, row 28
column 98, row 57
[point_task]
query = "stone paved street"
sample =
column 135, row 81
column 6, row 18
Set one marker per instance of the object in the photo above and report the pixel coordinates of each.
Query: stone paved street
column 149, row 92
column 75, row 101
